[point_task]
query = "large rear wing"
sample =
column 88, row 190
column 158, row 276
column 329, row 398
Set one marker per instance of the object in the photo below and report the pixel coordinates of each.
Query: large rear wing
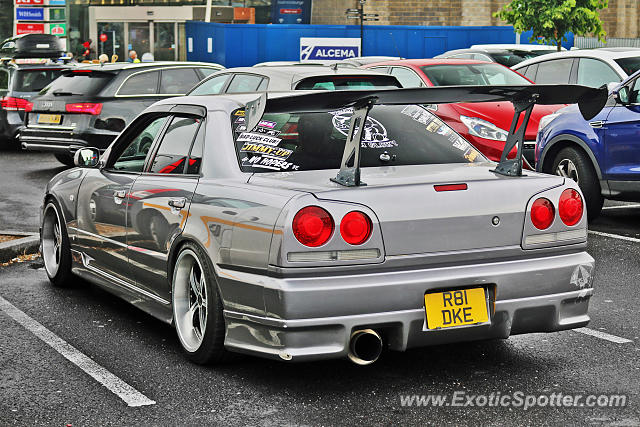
column 590, row 101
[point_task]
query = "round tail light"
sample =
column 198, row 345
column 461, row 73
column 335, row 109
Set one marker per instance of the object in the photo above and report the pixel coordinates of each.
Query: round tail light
column 570, row 207
column 542, row 213
column 313, row 226
column 355, row 228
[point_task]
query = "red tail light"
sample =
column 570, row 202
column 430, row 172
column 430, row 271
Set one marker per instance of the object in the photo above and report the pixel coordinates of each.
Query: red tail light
column 570, row 207
column 313, row 226
column 542, row 213
column 355, row 228
column 10, row 103
column 84, row 108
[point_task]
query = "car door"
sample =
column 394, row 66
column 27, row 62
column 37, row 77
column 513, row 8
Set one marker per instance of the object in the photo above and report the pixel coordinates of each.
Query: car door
column 622, row 139
column 103, row 198
column 160, row 199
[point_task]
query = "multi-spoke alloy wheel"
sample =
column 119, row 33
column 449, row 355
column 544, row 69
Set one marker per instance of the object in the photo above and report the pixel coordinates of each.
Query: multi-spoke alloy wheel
column 55, row 246
column 568, row 169
column 190, row 300
column 197, row 310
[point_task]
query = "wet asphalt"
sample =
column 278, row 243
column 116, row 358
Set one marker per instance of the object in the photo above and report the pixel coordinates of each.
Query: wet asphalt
column 40, row 387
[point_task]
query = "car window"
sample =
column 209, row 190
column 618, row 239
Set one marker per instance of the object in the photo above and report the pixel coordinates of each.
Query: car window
column 244, row 83
column 174, row 147
column 178, row 80
column 406, row 77
column 212, row 86
column 629, row 65
column 195, row 157
column 472, row 74
column 145, row 83
column 482, row 57
column 531, row 72
column 462, row 56
column 595, row 73
column 348, row 83
column 134, row 154
column 394, row 135
column 206, row 72
column 380, row 69
column 34, row 80
column 4, row 79
column 554, row 72
column 79, row 82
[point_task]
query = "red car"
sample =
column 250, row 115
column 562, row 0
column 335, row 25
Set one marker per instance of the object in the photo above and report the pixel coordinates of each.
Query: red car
column 486, row 125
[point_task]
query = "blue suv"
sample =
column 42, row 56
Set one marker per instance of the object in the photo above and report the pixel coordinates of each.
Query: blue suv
column 601, row 155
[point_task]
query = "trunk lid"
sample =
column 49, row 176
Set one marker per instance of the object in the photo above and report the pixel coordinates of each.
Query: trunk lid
column 415, row 218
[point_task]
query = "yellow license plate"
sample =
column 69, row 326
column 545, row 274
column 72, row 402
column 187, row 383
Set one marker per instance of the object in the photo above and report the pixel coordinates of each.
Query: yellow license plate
column 50, row 118
column 456, row 308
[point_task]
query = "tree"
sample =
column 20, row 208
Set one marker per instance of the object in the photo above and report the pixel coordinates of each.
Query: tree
column 551, row 19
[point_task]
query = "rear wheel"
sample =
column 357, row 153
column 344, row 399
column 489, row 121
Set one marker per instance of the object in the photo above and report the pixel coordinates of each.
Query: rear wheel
column 56, row 250
column 574, row 164
column 65, row 159
column 197, row 310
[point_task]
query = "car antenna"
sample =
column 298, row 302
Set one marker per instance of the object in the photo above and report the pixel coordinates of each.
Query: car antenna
column 395, row 45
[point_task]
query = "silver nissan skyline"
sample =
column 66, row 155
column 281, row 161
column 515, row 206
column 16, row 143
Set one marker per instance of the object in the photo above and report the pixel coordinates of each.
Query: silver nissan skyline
column 306, row 226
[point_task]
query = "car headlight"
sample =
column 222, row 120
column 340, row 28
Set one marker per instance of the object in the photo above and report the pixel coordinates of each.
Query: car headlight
column 484, row 129
column 545, row 120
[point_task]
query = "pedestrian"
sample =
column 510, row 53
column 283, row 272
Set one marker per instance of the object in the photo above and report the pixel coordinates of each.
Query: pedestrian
column 133, row 56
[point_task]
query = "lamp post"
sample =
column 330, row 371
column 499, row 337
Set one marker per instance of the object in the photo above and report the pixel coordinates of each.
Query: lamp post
column 359, row 14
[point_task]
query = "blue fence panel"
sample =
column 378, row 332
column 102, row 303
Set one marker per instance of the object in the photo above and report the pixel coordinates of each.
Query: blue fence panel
column 236, row 45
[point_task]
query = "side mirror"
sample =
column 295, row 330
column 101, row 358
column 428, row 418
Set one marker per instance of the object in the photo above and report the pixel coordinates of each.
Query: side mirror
column 622, row 96
column 87, row 157
column 611, row 86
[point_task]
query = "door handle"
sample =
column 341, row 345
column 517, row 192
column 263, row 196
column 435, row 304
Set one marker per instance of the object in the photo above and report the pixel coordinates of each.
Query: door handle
column 118, row 196
column 177, row 203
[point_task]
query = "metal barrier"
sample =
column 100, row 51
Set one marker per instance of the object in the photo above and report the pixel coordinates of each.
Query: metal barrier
column 593, row 42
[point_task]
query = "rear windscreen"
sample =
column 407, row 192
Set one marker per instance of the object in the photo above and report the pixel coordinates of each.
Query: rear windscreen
column 394, row 135
column 473, row 75
column 629, row 65
column 511, row 58
column 347, row 83
column 78, row 83
column 34, row 80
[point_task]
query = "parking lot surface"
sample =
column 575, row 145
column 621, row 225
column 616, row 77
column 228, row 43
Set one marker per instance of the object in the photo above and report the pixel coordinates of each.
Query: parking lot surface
column 42, row 382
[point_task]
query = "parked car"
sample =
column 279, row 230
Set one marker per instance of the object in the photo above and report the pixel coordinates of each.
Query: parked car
column 277, row 248
column 505, row 54
column 603, row 154
column 485, row 125
column 29, row 63
column 297, row 77
column 92, row 104
column 359, row 61
column 587, row 67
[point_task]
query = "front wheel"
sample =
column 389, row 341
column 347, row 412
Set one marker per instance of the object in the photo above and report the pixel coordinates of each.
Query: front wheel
column 197, row 310
column 574, row 164
column 56, row 250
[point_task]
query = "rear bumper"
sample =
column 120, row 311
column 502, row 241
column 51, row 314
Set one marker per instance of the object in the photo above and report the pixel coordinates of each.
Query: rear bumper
column 317, row 315
column 63, row 141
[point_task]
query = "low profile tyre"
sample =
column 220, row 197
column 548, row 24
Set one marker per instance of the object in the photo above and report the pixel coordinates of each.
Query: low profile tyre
column 573, row 163
column 56, row 250
column 197, row 309
column 65, row 159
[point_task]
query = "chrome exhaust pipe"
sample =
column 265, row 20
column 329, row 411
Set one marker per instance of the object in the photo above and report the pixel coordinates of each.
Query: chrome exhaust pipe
column 365, row 346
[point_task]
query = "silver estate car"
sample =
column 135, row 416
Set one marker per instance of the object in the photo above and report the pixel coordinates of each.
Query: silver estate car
column 304, row 226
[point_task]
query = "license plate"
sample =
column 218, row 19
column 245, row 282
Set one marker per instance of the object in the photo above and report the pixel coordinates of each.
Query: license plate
column 456, row 308
column 50, row 118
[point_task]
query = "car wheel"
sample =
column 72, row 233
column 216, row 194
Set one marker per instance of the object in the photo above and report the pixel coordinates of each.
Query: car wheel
column 573, row 163
column 65, row 159
column 197, row 309
column 56, row 251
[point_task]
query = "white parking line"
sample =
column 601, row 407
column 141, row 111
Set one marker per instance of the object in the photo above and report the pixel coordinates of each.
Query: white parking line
column 124, row 391
column 615, row 236
column 603, row 335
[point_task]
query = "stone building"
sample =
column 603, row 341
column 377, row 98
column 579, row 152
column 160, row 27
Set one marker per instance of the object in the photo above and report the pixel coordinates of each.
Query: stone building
column 620, row 19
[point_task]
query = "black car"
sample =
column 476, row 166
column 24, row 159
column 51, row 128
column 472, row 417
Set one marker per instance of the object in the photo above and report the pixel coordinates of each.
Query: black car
column 91, row 104
column 28, row 64
column 504, row 54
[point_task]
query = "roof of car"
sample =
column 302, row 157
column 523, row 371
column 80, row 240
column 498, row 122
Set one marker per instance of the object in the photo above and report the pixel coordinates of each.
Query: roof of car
column 430, row 61
column 116, row 66
column 300, row 72
column 514, row 46
column 578, row 53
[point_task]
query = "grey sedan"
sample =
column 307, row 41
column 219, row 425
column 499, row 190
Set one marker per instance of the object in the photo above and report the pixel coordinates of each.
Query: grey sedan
column 322, row 225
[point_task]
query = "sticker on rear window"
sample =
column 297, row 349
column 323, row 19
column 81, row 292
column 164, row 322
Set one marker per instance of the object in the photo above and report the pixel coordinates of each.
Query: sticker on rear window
column 267, row 124
column 239, row 120
column 258, row 138
column 374, row 135
column 239, row 113
column 268, row 163
column 470, row 155
column 266, row 150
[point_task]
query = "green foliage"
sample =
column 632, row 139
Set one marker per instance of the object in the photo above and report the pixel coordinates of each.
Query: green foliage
column 551, row 19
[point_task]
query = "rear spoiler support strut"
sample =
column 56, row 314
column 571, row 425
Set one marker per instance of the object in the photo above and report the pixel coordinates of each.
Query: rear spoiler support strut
column 513, row 167
column 349, row 173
